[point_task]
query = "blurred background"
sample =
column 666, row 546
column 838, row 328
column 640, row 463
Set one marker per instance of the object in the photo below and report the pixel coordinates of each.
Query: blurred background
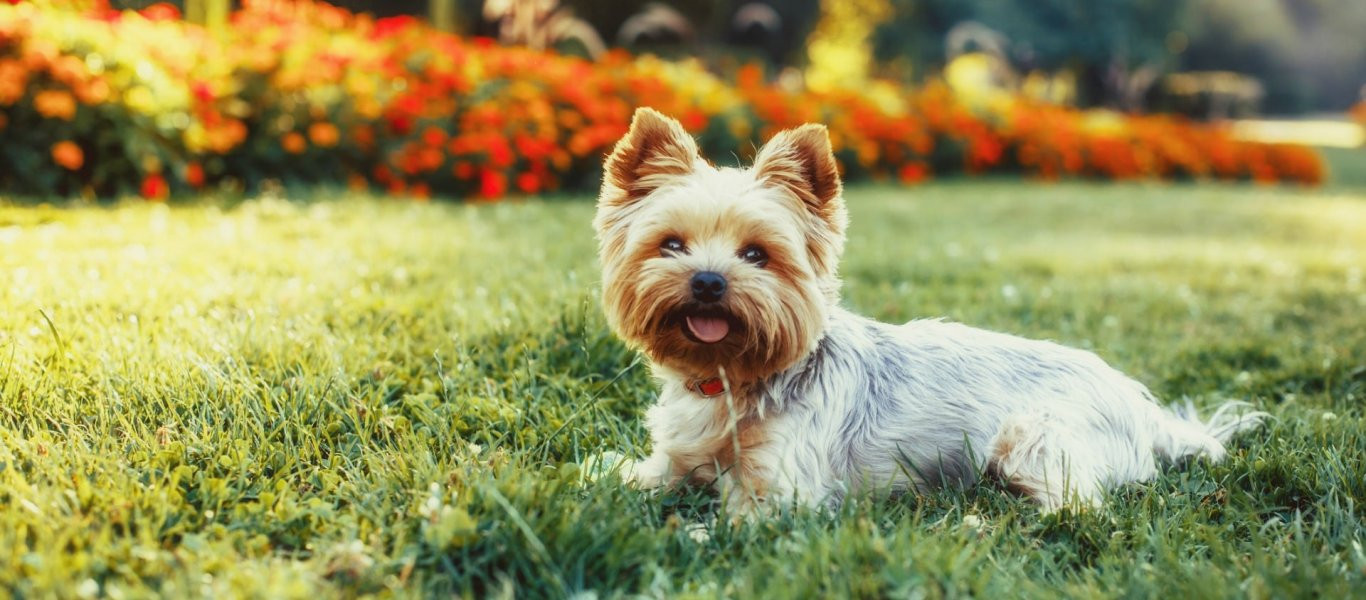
column 1208, row 58
column 486, row 98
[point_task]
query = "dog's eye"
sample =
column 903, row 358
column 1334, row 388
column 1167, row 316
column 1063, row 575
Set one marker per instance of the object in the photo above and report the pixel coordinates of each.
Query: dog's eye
column 754, row 255
column 671, row 245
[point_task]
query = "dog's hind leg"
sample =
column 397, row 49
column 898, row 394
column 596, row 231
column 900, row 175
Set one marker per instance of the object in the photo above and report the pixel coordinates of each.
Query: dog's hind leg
column 1036, row 457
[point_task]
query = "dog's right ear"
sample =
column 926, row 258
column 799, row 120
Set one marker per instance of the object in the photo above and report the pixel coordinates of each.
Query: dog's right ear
column 655, row 149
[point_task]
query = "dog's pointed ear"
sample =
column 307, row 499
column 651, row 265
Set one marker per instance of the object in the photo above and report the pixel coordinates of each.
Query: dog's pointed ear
column 802, row 161
column 654, row 149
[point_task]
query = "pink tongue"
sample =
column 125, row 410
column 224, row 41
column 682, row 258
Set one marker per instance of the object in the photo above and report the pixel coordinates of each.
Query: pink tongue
column 708, row 329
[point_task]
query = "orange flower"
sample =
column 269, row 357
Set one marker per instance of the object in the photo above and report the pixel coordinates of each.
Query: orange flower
column 95, row 91
column 67, row 154
column 194, row 174
column 324, row 134
column 13, row 81
column 40, row 54
column 154, row 187
column 55, row 104
column 430, row 159
column 420, row 192
column 293, row 143
column 434, row 136
column 68, row 70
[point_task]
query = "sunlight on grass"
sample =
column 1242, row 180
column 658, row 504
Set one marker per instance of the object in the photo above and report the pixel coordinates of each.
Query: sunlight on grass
column 1334, row 134
column 289, row 399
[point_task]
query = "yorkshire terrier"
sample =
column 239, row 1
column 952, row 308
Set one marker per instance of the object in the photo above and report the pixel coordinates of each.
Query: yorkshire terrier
column 727, row 279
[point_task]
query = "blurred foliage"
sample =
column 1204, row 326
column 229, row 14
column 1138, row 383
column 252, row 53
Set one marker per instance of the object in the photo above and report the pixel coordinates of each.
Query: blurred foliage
column 1308, row 54
column 1092, row 38
column 714, row 27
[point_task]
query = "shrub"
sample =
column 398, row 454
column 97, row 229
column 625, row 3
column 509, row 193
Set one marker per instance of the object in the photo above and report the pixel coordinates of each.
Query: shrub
column 100, row 102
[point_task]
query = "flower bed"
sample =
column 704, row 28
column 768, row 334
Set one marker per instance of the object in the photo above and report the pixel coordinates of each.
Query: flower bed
column 99, row 102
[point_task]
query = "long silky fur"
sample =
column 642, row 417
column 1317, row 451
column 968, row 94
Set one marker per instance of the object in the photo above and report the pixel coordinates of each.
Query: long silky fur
column 819, row 401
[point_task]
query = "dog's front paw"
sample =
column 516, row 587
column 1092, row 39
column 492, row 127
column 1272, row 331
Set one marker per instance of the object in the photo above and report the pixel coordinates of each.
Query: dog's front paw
column 647, row 474
column 641, row 474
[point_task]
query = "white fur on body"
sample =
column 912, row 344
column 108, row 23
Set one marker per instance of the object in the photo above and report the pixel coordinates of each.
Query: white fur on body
column 924, row 404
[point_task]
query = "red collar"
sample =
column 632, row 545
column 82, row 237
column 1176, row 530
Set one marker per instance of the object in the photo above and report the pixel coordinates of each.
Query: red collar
column 708, row 388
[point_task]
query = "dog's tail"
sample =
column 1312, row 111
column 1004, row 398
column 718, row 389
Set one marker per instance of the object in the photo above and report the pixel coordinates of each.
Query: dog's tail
column 1183, row 433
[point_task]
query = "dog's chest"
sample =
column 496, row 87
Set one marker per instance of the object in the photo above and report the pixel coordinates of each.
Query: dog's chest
column 705, row 436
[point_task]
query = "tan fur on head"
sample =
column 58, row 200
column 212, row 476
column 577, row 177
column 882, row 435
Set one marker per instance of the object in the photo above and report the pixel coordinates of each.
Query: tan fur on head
column 654, row 149
column 657, row 187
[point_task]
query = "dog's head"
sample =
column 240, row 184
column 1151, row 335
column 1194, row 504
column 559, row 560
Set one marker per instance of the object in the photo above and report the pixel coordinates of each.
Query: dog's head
column 707, row 267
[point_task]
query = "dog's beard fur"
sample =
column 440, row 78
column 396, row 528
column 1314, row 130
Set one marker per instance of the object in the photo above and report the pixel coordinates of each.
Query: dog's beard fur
column 657, row 187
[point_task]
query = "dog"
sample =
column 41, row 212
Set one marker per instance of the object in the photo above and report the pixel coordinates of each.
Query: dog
column 727, row 280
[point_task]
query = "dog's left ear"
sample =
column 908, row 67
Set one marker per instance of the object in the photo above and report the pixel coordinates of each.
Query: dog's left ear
column 801, row 161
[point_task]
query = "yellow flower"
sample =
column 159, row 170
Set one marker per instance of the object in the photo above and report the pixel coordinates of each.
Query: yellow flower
column 141, row 99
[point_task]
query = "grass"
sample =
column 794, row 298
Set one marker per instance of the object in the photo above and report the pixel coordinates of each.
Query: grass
column 362, row 396
column 1346, row 167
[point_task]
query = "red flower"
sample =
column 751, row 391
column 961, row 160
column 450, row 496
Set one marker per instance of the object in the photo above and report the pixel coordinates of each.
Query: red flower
column 694, row 120
column 914, row 172
column 500, row 153
column 492, row 184
column 985, row 152
column 154, row 187
column 529, row 183
column 400, row 124
column 161, row 11
column 390, row 25
column 202, row 92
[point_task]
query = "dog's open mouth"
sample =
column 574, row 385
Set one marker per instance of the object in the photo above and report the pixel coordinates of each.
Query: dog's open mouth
column 706, row 327
column 708, row 330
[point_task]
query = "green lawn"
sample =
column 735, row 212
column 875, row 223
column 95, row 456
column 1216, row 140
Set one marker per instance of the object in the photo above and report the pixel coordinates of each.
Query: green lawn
column 359, row 395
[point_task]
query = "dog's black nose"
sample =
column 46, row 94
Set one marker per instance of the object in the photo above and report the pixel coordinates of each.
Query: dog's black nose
column 708, row 286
